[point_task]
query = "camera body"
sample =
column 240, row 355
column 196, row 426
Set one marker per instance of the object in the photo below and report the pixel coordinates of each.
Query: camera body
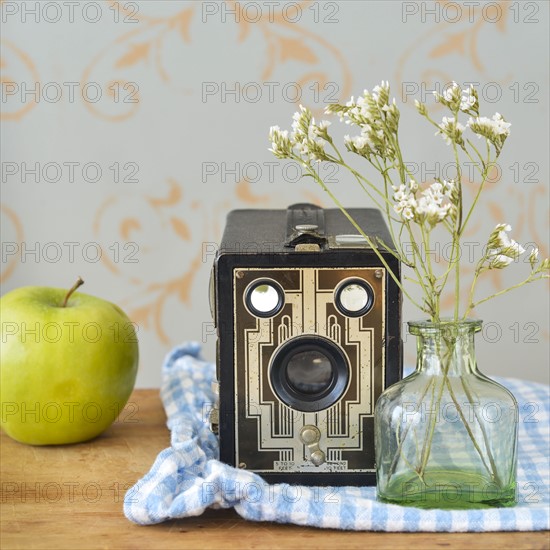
column 308, row 322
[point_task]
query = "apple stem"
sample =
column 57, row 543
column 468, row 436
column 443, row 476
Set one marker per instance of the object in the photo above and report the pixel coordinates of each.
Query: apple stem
column 78, row 283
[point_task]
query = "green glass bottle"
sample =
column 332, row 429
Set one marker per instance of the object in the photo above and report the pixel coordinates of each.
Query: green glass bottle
column 446, row 436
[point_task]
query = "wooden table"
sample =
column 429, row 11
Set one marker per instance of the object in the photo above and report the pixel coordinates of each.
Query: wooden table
column 71, row 497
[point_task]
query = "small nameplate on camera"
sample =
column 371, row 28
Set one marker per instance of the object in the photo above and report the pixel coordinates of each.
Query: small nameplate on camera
column 307, row 466
column 347, row 241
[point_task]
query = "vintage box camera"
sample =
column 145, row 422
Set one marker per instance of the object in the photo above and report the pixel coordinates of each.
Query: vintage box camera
column 308, row 325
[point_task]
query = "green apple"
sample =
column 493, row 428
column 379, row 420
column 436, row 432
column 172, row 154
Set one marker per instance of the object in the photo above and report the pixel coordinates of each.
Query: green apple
column 68, row 364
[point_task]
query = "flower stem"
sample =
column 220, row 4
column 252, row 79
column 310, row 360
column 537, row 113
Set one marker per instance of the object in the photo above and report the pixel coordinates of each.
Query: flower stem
column 528, row 280
column 483, row 433
column 487, row 166
column 427, row 445
column 456, row 237
column 399, row 452
column 492, row 473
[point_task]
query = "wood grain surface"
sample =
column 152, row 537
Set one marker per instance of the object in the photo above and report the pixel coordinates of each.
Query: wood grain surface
column 71, row 497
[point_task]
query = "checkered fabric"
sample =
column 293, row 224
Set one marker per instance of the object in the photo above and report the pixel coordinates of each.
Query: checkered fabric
column 187, row 478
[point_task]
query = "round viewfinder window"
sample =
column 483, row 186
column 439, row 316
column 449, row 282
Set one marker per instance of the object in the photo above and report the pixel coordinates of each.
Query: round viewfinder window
column 354, row 298
column 264, row 298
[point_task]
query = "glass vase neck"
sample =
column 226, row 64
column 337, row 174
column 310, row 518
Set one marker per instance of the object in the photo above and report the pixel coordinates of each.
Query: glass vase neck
column 445, row 347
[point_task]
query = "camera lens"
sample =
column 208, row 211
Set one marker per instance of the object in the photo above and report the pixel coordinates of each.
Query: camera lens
column 354, row 297
column 309, row 373
column 264, row 298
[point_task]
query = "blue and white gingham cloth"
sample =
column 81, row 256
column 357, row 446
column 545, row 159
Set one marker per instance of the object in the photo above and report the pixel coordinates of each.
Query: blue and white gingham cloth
column 187, row 478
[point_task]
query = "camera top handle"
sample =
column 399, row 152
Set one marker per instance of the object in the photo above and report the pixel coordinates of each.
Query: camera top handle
column 305, row 224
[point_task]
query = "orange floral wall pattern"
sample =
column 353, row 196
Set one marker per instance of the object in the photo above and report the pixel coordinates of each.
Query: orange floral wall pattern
column 130, row 129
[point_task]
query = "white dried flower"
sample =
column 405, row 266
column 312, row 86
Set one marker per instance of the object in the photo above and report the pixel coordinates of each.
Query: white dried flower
column 501, row 246
column 420, row 107
column 501, row 127
column 452, row 92
column 496, row 130
column 301, row 121
column 408, row 213
column 514, row 250
column 502, row 239
column 380, row 93
column 451, row 97
column 281, row 145
column 499, row 261
column 451, row 130
column 307, row 139
column 430, row 205
column 508, row 246
column 428, row 208
column 490, row 128
column 534, row 256
column 468, row 100
column 448, row 187
column 405, row 201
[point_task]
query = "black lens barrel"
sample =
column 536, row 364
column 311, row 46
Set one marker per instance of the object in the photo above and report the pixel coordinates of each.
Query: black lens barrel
column 309, row 387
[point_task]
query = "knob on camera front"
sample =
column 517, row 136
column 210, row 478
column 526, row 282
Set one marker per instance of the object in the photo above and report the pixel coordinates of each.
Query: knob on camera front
column 310, row 436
